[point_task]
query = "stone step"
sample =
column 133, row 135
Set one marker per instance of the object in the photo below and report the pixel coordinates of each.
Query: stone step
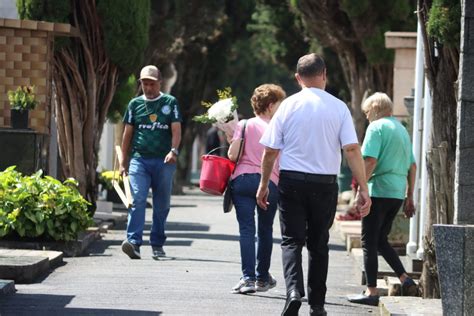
column 7, row 287
column 105, row 226
column 23, row 269
column 384, row 268
column 115, row 217
column 71, row 248
column 25, row 266
column 410, row 305
column 55, row 257
column 390, row 286
column 382, row 287
column 353, row 241
column 348, row 228
column 394, row 286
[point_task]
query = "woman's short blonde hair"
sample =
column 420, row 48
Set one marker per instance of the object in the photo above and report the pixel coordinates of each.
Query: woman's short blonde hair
column 379, row 103
column 264, row 95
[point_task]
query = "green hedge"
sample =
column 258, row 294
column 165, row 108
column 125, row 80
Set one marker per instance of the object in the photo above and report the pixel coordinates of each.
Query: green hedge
column 41, row 206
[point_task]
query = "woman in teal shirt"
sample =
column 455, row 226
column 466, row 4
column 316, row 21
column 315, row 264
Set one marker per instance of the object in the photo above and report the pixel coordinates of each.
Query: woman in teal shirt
column 390, row 170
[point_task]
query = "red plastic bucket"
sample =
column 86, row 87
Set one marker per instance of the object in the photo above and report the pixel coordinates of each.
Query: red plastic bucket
column 215, row 172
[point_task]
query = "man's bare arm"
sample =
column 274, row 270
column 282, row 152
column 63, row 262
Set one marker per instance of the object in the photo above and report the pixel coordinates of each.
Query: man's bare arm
column 125, row 147
column 175, row 141
column 409, row 206
column 356, row 163
column 268, row 160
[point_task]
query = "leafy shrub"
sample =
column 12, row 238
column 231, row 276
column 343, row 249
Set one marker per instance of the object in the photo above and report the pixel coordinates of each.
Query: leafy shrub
column 444, row 22
column 37, row 205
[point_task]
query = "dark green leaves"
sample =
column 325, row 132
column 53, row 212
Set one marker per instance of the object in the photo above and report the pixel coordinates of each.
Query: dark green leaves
column 444, row 22
column 34, row 206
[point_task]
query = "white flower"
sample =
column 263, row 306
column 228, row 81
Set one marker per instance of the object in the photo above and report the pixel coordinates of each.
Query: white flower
column 221, row 110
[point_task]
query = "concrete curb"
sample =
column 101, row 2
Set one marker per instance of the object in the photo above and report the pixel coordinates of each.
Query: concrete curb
column 7, row 287
column 26, row 266
column 409, row 305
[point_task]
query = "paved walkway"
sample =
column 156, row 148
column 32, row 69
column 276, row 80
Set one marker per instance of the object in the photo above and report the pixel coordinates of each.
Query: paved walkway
column 203, row 265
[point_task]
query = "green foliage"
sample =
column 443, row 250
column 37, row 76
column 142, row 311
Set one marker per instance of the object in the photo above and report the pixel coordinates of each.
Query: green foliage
column 260, row 45
column 34, row 206
column 263, row 27
column 277, row 33
column 44, row 10
column 356, row 8
column 125, row 91
column 125, row 24
column 372, row 18
column 23, row 98
column 444, row 23
column 47, row 10
column 374, row 47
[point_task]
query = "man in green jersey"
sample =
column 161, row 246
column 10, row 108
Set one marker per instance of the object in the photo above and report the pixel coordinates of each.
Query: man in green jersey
column 150, row 144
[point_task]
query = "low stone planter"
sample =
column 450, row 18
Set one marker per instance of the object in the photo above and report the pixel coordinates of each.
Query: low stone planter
column 74, row 248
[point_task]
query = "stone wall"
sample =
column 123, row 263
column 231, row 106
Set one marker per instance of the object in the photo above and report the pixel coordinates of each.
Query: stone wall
column 25, row 59
column 404, row 44
column 464, row 183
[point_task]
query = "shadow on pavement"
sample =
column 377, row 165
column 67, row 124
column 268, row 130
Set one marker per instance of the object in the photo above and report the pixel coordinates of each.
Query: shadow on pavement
column 99, row 247
column 202, row 260
column 334, row 247
column 183, row 205
column 212, row 237
column 170, row 226
column 44, row 304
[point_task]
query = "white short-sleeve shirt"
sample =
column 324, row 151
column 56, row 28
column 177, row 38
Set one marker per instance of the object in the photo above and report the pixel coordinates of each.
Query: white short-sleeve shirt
column 310, row 128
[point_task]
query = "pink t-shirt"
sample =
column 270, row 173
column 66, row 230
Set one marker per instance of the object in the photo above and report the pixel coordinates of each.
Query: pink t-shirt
column 251, row 159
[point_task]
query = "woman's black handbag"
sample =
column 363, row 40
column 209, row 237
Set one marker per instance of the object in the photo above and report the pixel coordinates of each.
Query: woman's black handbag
column 228, row 203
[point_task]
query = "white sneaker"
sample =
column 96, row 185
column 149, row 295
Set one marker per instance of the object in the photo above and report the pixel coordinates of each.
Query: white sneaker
column 263, row 286
column 244, row 287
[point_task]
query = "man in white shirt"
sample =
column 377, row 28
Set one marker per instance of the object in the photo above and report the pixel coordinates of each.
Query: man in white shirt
column 309, row 130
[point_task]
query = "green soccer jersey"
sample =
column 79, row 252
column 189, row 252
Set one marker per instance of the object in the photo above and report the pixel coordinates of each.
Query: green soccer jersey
column 388, row 141
column 151, row 120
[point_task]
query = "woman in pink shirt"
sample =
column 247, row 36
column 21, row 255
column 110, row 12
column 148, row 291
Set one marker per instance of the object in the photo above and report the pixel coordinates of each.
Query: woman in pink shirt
column 255, row 264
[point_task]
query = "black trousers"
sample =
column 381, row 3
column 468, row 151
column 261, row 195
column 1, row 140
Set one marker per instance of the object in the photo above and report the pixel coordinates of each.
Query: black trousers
column 375, row 229
column 307, row 210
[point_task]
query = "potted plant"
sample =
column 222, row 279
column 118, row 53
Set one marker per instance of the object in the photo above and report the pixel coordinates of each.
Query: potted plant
column 105, row 180
column 21, row 101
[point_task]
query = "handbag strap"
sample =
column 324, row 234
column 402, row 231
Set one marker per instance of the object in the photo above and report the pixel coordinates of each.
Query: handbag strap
column 241, row 144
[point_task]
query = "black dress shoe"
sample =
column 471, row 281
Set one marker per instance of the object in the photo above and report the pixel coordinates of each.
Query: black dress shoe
column 372, row 300
column 293, row 304
column 316, row 310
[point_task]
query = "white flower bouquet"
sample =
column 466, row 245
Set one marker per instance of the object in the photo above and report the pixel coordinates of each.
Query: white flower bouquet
column 222, row 114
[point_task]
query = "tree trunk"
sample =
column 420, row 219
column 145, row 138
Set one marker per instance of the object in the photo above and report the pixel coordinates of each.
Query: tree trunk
column 85, row 83
column 441, row 68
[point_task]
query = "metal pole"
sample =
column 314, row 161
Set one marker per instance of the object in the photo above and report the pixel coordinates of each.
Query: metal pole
column 424, row 169
column 419, row 74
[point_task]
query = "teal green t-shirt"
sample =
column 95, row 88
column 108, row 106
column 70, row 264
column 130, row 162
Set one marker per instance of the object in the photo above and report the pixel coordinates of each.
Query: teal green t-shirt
column 151, row 120
column 388, row 141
